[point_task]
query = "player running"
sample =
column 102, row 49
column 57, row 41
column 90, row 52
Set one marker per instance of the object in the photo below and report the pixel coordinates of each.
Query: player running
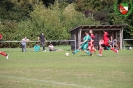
column 91, row 34
column 91, row 42
column 105, row 43
column 1, row 52
column 84, row 44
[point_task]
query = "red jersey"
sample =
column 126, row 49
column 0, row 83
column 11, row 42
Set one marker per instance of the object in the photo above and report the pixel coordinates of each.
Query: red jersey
column 106, row 39
column 91, row 43
column 92, row 36
column 105, row 36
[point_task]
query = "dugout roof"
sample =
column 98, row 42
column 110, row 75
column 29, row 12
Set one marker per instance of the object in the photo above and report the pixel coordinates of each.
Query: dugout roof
column 97, row 27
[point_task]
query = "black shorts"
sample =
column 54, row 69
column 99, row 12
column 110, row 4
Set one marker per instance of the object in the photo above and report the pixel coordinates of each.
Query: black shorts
column 103, row 45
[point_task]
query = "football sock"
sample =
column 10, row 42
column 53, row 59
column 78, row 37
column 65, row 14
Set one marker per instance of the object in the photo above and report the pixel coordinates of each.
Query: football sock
column 3, row 53
column 114, row 50
column 100, row 51
column 90, row 51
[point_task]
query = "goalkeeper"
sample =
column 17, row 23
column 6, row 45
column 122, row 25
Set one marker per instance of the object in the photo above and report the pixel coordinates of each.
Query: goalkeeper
column 84, row 44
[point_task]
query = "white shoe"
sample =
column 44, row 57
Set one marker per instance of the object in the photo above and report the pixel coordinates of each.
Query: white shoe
column 44, row 51
column 7, row 56
column 99, row 54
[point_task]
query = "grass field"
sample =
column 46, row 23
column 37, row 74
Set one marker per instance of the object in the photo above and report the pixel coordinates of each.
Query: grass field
column 55, row 70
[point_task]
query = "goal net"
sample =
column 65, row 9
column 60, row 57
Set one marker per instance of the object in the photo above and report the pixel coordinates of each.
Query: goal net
column 128, row 44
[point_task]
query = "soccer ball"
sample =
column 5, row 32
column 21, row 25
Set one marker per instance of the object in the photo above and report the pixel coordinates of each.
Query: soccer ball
column 130, row 48
column 67, row 54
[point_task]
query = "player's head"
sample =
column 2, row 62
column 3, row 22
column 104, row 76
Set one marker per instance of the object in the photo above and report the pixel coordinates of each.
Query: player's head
column 25, row 37
column 36, row 43
column 86, row 32
column 42, row 33
column 90, row 31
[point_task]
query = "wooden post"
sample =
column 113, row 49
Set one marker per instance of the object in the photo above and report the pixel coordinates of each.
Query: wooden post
column 121, row 31
column 79, row 37
column 121, row 37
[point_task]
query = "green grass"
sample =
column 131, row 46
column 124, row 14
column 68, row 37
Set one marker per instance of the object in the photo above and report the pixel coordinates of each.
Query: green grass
column 55, row 70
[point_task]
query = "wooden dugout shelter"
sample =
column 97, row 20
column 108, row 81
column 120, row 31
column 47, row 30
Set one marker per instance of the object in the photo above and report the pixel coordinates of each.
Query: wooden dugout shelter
column 77, row 33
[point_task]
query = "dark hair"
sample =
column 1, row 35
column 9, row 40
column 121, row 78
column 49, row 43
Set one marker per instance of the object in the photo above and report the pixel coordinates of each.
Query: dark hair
column 87, row 32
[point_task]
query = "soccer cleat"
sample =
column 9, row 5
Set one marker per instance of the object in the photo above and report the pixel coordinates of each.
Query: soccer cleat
column 91, row 55
column 73, row 52
column 7, row 56
column 44, row 51
column 99, row 54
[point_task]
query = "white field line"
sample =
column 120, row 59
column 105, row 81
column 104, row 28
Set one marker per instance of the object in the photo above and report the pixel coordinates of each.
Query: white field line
column 45, row 81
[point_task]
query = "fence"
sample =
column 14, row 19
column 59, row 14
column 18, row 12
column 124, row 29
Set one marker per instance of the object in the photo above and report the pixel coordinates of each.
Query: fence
column 52, row 41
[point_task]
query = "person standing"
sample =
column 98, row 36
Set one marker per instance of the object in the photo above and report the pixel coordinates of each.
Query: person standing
column 23, row 44
column 42, row 39
column 1, row 52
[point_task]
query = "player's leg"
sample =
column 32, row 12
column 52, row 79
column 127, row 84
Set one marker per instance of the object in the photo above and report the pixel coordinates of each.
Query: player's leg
column 101, row 49
column 43, row 45
column 94, row 49
column 22, row 48
column 85, row 47
column 90, row 49
column 114, row 50
column 80, row 47
column 4, row 54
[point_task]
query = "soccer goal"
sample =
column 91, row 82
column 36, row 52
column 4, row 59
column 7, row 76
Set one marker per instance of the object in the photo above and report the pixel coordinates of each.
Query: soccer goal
column 15, row 46
column 128, row 44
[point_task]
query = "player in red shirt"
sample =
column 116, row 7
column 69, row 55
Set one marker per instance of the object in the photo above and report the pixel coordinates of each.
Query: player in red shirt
column 3, row 53
column 91, row 42
column 92, row 35
column 91, row 46
column 105, row 44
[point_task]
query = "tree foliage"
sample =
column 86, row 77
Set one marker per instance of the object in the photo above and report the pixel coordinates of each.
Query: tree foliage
column 20, row 18
column 54, row 21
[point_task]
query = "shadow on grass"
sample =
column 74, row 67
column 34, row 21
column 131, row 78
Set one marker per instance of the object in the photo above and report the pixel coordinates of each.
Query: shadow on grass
column 93, row 55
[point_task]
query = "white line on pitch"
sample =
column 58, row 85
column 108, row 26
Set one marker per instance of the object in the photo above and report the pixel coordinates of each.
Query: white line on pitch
column 46, row 81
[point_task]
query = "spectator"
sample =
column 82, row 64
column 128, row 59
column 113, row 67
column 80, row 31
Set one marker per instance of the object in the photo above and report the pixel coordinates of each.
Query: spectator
column 51, row 47
column 114, row 44
column 23, row 44
column 42, row 39
column 36, row 48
